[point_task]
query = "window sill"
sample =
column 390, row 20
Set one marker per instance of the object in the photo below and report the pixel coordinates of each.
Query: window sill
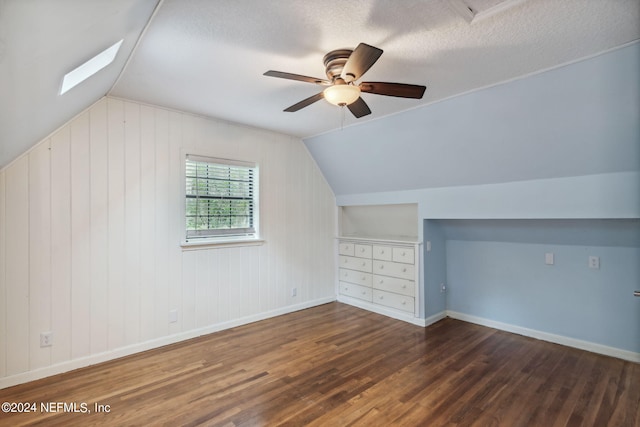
column 200, row 244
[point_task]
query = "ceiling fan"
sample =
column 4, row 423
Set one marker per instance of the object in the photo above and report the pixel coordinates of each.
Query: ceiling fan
column 343, row 67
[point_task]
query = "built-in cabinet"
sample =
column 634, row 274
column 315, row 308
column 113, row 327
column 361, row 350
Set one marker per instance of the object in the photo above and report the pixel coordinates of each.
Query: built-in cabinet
column 378, row 259
column 381, row 273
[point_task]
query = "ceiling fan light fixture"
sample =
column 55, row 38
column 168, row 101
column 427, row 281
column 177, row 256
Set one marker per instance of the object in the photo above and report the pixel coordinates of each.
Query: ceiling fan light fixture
column 342, row 95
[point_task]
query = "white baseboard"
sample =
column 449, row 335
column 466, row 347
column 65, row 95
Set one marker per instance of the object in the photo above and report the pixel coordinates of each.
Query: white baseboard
column 434, row 318
column 389, row 312
column 546, row 336
column 93, row 359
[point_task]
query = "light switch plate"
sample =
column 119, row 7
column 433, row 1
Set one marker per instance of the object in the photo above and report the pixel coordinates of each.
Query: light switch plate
column 549, row 258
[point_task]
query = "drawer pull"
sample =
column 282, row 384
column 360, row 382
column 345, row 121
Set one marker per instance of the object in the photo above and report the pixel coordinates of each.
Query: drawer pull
column 381, row 297
column 346, row 274
column 363, row 278
column 361, row 249
column 364, row 263
column 346, row 260
column 382, row 251
column 404, row 303
column 364, row 292
column 404, row 286
column 403, row 253
column 381, row 281
column 404, row 270
column 381, row 267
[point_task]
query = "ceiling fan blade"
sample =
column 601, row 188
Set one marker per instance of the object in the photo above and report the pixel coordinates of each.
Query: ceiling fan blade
column 298, row 77
column 400, row 90
column 359, row 108
column 305, row 102
column 361, row 59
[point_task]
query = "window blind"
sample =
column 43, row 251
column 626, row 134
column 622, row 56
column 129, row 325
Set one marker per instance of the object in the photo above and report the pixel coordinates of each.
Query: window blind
column 220, row 197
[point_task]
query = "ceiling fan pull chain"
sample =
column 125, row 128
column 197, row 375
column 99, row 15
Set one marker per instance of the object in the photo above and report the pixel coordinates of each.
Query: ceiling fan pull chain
column 342, row 117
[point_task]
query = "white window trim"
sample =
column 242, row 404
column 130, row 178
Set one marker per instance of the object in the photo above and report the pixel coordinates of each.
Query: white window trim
column 221, row 241
column 192, row 245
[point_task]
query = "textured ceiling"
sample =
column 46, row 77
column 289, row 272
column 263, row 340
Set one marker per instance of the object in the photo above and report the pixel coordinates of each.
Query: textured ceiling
column 208, row 56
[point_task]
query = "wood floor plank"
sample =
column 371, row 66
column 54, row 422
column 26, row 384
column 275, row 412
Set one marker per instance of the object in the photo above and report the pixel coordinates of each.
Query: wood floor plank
column 337, row 365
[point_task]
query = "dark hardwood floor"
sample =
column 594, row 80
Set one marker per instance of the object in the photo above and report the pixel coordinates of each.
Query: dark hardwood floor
column 336, row 365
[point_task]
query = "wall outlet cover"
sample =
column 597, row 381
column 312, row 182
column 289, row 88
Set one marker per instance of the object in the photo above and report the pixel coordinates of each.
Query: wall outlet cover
column 46, row 339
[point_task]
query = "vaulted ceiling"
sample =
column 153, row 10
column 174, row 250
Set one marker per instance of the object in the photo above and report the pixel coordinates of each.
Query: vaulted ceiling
column 208, row 56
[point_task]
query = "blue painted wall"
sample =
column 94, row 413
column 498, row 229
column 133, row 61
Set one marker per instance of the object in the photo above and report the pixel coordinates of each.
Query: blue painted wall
column 579, row 119
column 510, row 283
column 435, row 268
column 495, row 269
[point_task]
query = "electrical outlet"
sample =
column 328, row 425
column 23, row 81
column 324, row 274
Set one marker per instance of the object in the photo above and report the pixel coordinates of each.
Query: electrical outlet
column 294, row 292
column 173, row 316
column 46, row 339
column 594, row 262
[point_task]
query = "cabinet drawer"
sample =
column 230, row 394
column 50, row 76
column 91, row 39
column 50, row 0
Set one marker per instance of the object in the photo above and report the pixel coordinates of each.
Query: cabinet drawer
column 357, row 277
column 382, row 253
column 352, row 263
column 405, row 255
column 399, row 302
column 393, row 269
column 395, row 285
column 346, row 248
column 362, row 251
column 356, row 291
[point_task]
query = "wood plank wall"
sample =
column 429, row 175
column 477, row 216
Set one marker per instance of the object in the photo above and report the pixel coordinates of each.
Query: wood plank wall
column 91, row 225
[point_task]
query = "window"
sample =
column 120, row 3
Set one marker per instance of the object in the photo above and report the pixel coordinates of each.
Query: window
column 220, row 198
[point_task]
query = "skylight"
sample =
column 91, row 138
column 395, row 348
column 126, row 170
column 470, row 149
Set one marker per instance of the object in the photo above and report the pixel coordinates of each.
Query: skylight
column 89, row 68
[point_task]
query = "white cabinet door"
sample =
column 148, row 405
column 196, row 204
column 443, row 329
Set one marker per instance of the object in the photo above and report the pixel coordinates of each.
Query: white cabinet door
column 405, row 255
column 386, row 268
column 352, row 263
column 382, row 253
column 356, row 291
column 358, row 277
column 362, row 251
column 346, row 248
column 389, row 299
column 393, row 284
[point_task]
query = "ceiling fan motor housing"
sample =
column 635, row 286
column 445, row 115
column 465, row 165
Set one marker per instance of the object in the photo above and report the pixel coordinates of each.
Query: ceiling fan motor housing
column 334, row 63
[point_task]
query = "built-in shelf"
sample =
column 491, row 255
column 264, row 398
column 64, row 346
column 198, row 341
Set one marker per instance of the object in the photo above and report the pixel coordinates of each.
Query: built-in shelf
column 386, row 239
column 396, row 222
